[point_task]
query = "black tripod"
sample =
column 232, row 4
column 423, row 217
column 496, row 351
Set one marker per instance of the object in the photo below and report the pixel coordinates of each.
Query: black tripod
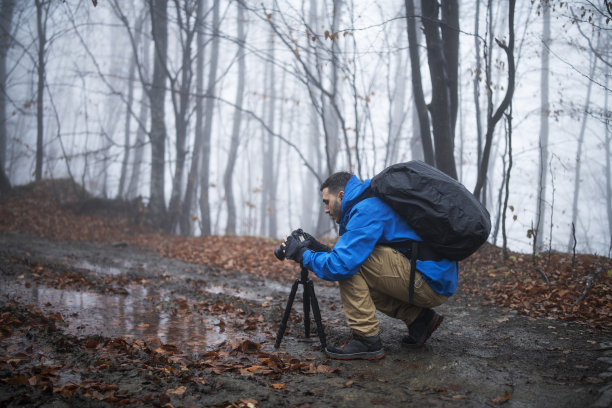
column 309, row 300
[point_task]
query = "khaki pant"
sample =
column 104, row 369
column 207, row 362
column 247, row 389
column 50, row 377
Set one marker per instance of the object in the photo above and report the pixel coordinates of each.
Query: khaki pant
column 382, row 283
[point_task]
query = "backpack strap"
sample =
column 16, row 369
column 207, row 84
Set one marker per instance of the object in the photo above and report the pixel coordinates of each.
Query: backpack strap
column 425, row 251
column 414, row 254
column 414, row 250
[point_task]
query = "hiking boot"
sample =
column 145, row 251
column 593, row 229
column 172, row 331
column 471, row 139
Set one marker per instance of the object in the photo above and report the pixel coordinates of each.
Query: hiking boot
column 358, row 347
column 420, row 330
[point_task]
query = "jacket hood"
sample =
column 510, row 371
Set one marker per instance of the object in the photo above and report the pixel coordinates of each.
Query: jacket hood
column 355, row 191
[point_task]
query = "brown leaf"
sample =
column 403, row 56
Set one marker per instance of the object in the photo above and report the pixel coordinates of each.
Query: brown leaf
column 348, row 383
column 502, row 399
column 249, row 347
column 180, row 390
column 18, row 379
column 91, row 344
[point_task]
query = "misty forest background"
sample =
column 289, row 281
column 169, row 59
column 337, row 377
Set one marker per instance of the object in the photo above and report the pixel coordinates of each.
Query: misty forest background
column 223, row 117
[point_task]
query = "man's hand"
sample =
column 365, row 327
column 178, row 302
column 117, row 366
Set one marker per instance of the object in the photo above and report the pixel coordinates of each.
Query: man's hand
column 294, row 248
column 311, row 242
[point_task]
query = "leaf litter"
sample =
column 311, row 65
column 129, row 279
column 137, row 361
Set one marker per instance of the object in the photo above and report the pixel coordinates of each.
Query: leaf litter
column 75, row 366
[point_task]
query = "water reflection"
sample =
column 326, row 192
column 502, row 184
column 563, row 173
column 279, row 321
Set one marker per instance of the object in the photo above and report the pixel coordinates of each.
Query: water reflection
column 107, row 269
column 146, row 313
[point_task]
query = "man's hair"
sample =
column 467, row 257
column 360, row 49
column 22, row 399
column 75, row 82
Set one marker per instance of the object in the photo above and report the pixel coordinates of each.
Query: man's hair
column 336, row 182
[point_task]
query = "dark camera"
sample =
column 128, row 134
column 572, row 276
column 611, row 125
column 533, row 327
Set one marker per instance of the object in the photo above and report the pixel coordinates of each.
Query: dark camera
column 279, row 252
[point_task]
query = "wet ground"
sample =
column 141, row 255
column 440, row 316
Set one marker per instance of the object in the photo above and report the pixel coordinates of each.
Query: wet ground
column 115, row 325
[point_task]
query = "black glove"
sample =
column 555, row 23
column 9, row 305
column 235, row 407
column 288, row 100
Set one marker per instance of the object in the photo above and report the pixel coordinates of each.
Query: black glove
column 311, row 242
column 294, row 248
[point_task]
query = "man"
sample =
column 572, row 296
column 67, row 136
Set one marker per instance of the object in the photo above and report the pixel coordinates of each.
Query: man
column 369, row 263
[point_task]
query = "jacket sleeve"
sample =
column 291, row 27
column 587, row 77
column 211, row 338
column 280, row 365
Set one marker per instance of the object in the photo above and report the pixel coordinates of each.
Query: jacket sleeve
column 351, row 250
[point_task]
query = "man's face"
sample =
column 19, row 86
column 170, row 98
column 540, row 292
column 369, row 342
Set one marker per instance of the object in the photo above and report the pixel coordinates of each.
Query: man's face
column 333, row 204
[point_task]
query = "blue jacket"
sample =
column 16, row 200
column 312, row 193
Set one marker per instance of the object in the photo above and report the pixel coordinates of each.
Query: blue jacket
column 367, row 222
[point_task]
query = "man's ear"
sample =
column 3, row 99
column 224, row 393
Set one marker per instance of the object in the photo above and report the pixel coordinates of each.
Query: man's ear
column 341, row 195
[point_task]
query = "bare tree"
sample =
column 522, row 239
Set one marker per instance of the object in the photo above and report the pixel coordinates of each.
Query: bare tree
column 236, row 125
column 441, row 29
column 129, row 102
column 417, row 84
column 476, row 83
column 208, row 114
column 544, row 126
column 494, row 118
column 396, row 91
column 42, row 15
column 507, row 182
column 159, row 25
column 608, row 165
column 187, row 22
column 133, row 189
column 267, row 208
column 192, row 178
column 6, row 16
column 572, row 239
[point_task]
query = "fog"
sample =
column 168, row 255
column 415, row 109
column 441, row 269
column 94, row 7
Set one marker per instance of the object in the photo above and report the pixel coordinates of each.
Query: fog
column 292, row 132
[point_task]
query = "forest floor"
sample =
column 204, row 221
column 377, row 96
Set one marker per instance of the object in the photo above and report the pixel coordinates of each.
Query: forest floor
column 97, row 311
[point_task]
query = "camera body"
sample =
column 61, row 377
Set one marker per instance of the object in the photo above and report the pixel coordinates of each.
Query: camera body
column 280, row 251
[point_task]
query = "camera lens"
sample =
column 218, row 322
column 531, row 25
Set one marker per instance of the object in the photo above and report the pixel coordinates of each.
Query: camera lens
column 279, row 253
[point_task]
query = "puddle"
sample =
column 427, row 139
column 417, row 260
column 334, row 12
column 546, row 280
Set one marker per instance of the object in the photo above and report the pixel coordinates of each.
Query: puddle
column 99, row 269
column 219, row 289
column 262, row 293
column 139, row 315
column 108, row 268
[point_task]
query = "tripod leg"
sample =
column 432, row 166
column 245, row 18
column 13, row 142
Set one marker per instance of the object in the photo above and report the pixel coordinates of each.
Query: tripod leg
column 306, row 304
column 283, row 325
column 317, row 314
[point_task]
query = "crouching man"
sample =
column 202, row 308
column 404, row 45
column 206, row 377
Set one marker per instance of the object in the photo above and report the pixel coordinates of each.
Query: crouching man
column 370, row 262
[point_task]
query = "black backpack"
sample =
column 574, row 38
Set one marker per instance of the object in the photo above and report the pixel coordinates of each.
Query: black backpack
column 450, row 220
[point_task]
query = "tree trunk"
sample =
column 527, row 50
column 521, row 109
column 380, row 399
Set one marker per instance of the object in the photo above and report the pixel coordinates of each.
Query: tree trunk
column 396, row 84
column 180, row 113
column 450, row 44
column 544, row 116
column 440, row 107
column 330, row 119
column 42, row 10
column 210, row 105
column 128, row 112
column 477, row 79
column 6, row 18
column 417, row 84
column 494, row 118
column 235, row 140
column 159, row 24
column 329, row 116
column 191, row 187
column 267, row 209
column 311, row 206
column 134, row 189
column 571, row 241
column 507, row 186
column 608, row 165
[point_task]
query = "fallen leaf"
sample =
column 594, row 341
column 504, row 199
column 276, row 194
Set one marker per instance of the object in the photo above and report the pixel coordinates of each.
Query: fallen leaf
column 92, row 344
column 177, row 391
column 502, row 399
column 249, row 347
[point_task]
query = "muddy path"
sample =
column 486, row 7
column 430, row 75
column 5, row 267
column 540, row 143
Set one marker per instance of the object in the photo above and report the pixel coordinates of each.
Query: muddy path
column 115, row 325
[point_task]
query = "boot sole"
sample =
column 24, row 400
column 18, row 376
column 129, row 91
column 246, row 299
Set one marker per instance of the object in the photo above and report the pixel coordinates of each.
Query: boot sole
column 370, row 355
